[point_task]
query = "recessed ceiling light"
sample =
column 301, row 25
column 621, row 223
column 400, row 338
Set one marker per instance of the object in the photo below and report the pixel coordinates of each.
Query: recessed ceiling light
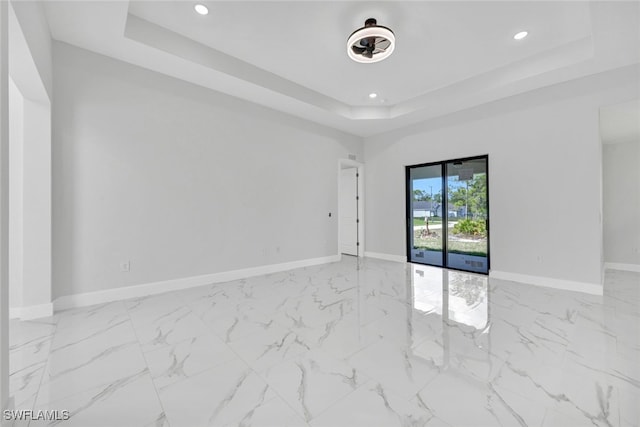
column 521, row 35
column 373, row 95
column 201, row 9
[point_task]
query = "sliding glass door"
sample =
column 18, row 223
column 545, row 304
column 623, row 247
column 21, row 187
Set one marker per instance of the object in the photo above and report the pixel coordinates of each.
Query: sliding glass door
column 448, row 214
column 425, row 215
column 468, row 219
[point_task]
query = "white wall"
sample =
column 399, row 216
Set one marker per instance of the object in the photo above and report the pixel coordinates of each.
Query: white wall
column 168, row 175
column 544, row 170
column 622, row 203
column 36, row 200
column 16, row 141
column 34, row 33
column 4, row 207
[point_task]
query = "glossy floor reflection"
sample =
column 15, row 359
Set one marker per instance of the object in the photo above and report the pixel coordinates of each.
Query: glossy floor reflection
column 369, row 343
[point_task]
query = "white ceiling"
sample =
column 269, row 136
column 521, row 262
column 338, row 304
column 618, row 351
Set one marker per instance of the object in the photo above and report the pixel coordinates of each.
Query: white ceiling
column 291, row 55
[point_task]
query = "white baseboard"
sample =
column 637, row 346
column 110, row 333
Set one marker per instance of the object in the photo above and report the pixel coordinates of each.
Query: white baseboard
column 549, row 282
column 136, row 291
column 31, row 312
column 387, row 257
column 625, row 267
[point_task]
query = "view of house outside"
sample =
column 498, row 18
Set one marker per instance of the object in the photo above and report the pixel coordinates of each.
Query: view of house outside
column 466, row 213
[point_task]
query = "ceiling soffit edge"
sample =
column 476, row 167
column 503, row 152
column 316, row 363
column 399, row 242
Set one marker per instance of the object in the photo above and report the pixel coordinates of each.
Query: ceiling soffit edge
column 484, row 87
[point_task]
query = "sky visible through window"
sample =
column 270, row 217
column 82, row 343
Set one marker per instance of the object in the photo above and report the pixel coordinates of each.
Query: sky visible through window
column 428, row 184
column 434, row 185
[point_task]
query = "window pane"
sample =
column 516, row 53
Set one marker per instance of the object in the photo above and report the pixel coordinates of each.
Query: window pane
column 467, row 213
column 425, row 214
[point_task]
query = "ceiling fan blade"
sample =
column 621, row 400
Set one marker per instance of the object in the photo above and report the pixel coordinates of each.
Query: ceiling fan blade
column 368, row 54
column 358, row 50
column 382, row 43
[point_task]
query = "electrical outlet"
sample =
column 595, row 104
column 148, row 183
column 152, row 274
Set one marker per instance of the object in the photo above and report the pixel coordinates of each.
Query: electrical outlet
column 125, row 266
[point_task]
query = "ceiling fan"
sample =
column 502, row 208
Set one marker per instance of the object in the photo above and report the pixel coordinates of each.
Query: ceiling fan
column 371, row 43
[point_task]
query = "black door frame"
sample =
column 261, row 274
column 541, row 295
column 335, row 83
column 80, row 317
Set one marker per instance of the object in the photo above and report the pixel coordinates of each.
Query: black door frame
column 445, row 218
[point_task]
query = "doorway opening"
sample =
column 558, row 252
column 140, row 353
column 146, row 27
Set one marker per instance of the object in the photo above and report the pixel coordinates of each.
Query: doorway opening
column 350, row 208
column 29, row 181
column 620, row 196
column 448, row 214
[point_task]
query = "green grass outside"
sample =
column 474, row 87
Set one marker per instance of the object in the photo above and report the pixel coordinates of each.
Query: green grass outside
column 432, row 220
column 434, row 243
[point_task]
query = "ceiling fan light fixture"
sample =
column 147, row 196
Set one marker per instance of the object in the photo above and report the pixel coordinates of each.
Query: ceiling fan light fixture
column 371, row 43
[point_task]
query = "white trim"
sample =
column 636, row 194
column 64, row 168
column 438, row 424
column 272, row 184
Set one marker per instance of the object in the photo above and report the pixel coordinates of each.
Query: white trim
column 624, row 267
column 136, row 291
column 387, row 257
column 549, row 282
column 31, row 312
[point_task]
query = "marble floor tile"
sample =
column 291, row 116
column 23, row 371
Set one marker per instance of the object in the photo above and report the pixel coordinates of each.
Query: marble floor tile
column 179, row 361
column 169, row 328
column 32, row 343
column 265, row 349
column 373, row 405
column 355, row 343
column 28, row 332
column 629, row 398
column 312, row 311
column 34, row 353
column 129, row 401
column 97, row 316
column 395, row 367
column 466, row 402
column 80, row 361
column 313, row 381
column 569, row 388
column 232, row 326
column 218, row 298
column 554, row 418
column 229, row 394
column 154, row 308
column 274, row 412
column 25, row 384
column 341, row 337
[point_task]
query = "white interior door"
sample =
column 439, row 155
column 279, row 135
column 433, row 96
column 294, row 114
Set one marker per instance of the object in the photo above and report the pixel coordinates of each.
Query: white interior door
column 349, row 211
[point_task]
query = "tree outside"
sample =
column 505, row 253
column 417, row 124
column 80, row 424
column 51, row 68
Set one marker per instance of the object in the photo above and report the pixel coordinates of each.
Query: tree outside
column 467, row 217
